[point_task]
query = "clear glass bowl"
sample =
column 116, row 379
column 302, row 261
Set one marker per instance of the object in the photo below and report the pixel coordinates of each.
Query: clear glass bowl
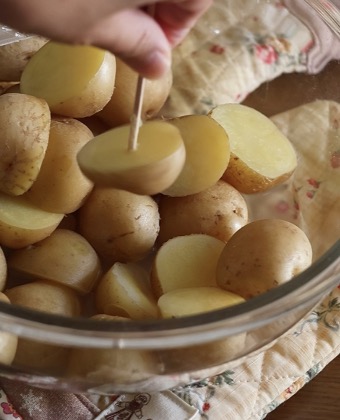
column 86, row 355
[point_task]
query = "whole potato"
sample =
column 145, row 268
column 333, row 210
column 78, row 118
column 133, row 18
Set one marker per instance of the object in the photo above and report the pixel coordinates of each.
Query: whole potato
column 218, row 211
column 15, row 56
column 61, row 187
column 8, row 341
column 25, row 125
column 262, row 255
column 119, row 109
column 121, row 226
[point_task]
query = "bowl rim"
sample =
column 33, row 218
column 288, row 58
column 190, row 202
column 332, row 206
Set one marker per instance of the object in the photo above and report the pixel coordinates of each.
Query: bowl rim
column 303, row 291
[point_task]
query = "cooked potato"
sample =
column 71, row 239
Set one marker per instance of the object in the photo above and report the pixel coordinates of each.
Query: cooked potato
column 8, row 341
column 50, row 298
column 261, row 156
column 25, row 124
column 148, row 169
column 15, row 56
column 125, row 291
column 207, row 154
column 112, row 366
column 119, row 109
column 121, row 226
column 196, row 300
column 218, row 211
column 76, row 80
column 186, row 261
column 3, row 269
column 61, row 187
column 22, row 223
column 64, row 257
column 262, row 255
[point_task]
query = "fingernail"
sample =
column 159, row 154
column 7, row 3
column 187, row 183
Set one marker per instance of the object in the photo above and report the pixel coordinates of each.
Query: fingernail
column 156, row 63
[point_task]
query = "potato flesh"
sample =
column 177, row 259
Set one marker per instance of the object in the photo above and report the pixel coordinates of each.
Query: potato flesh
column 207, row 155
column 186, row 261
column 124, row 291
column 195, row 300
column 25, row 122
column 256, row 140
column 149, row 169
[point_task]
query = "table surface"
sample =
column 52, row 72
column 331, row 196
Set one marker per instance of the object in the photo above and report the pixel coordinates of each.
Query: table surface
column 317, row 400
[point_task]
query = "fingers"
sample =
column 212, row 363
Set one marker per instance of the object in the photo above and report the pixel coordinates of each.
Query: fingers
column 135, row 37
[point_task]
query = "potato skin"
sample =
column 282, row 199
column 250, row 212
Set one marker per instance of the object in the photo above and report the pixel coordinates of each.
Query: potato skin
column 3, row 269
column 218, row 211
column 121, row 226
column 262, row 255
column 15, row 56
column 8, row 341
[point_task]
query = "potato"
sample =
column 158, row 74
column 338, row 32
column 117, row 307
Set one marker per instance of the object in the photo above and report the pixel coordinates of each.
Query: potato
column 49, row 298
column 75, row 80
column 114, row 367
column 61, row 187
column 207, row 154
column 22, row 223
column 119, row 109
column 261, row 156
column 148, row 169
column 3, row 270
column 186, row 261
column 15, row 56
column 125, row 291
column 8, row 341
column 64, row 257
column 218, row 211
column 25, row 124
column 263, row 255
column 196, row 300
column 120, row 226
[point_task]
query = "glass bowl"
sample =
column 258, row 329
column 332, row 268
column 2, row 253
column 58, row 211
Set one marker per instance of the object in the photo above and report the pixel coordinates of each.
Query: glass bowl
column 87, row 355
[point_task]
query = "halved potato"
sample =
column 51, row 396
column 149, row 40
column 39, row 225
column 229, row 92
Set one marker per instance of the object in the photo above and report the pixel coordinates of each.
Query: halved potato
column 75, row 80
column 125, row 291
column 3, row 269
column 25, row 125
column 207, row 154
column 261, row 156
column 64, row 257
column 186, row 261
column 22, row 223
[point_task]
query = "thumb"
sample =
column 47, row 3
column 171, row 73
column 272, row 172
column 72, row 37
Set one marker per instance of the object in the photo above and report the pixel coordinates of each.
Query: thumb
column 136, row 38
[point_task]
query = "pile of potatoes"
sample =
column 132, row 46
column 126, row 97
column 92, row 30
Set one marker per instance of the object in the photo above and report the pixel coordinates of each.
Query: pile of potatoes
column 72, row 246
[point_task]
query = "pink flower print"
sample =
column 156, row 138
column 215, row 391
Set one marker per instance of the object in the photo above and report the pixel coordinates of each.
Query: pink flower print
column 310, row 194
column 314, row 183
column 335, row 159
column 7, row 408
column 282, row 206
column 296, row 206
column 266, row 53
column 217, row 49
column 206, row 407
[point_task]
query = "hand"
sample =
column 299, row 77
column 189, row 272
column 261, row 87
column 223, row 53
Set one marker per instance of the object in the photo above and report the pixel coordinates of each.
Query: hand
column 124, row 27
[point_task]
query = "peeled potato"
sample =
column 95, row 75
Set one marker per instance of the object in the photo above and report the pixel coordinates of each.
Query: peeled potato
column 15, row 56
column 149, row 169
column 115, row 367
column 8, row 341
column 75, row 80
column 22, row 223
column 218, row 211
column 124, row 291
column 263, row 255
column 261, row 156
column 49, row 298
column 3, row 269
column 25, row 124
column 120, row 226
column 64, row 257
column 61, row 187
column 196, row 300
column 186, row 261
column 119, row 109
column 207, row 154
